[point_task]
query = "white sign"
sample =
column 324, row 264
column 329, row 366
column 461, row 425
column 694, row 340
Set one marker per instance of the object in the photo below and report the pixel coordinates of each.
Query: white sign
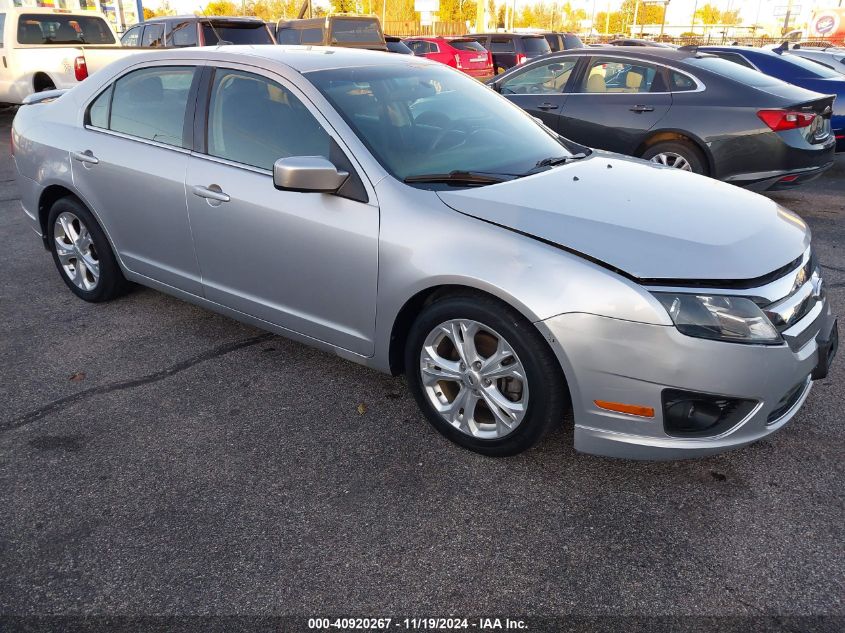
column 780, row 12
column 426, row 18
column 427, row 6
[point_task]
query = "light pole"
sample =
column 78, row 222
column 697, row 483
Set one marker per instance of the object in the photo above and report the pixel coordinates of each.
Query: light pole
column 139, row 5
column 663, row 21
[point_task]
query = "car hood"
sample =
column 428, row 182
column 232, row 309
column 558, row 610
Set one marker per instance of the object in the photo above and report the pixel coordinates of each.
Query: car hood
column 648, row 221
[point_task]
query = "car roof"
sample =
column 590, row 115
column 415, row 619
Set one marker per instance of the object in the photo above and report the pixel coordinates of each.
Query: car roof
column 646, row 53
column 209, row 18
column 302, row 59
column 503, row 35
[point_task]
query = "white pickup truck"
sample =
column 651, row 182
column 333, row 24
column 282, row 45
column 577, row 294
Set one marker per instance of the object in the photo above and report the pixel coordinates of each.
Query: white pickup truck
column 46, row 49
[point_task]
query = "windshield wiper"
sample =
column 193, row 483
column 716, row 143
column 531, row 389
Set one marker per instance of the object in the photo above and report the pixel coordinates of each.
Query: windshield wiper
column 553, row 161
column 456, row 177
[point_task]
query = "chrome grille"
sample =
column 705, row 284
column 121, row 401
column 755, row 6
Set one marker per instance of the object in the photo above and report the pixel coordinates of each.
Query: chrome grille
column 807, row 291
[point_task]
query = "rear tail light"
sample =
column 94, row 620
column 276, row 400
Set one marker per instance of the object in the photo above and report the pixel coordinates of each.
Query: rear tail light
column 780, row 120
column 490, row 59
column 80, row 68
column 791, row 178
column 458, row 63
column 520, row 59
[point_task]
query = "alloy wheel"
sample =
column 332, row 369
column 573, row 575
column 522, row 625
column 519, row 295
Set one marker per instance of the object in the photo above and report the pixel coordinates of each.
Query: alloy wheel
column 474, row 379
column 671, row 159
column 76, row 251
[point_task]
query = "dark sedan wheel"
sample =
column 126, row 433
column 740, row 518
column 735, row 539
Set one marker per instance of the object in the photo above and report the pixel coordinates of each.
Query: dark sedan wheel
column 483, row 375
column 82, row 253
column 677, row 155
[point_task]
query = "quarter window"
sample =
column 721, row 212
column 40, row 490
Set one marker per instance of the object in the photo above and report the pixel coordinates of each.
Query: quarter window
column 98, row 113
column 548, row 78
column 255, row 121
column 151, row 103
column 681, row 83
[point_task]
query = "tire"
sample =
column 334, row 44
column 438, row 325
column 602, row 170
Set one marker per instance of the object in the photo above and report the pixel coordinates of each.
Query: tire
column 672, row 149
column 542, row 399
column 82, row 253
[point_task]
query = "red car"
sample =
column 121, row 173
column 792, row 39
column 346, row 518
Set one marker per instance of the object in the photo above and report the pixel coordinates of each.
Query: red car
column 462, row 53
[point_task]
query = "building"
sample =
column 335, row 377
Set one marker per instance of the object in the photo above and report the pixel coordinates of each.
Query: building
column 121, row 13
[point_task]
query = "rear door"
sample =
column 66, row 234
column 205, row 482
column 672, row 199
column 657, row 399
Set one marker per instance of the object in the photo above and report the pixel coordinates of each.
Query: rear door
column 542, row 87
column 129, row 164
column 615, row 102
column 306, row 262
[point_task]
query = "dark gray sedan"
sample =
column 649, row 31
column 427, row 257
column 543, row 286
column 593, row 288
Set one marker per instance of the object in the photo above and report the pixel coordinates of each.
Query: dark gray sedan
column 683, row 109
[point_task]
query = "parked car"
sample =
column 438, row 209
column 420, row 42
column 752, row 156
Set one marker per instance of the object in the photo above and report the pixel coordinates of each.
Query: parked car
column 682, row 109
column 462, row 53
column 511, row 49
column 197, row 30
column 396, row 45
column 348, row 31
column 561, row 41
column 831, row 57
column 631, row 41
column 795, row 70
column 46, row 49
column 676, row 315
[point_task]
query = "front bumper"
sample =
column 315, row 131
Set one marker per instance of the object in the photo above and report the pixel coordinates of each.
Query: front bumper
column 612, row 360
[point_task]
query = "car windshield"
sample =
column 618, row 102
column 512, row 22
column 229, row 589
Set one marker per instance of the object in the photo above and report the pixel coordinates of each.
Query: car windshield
column 733, row 70
column 362, row 31
column 429, row 119
column 63, row 29
column 536, row 45
column 467, row 45
column 236, row 33
column 813, row 69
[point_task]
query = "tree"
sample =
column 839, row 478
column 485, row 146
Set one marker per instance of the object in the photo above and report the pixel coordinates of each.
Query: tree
column 221, row 7
column 709, row 14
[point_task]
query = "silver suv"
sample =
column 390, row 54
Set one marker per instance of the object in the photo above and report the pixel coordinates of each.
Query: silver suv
column 401, row 215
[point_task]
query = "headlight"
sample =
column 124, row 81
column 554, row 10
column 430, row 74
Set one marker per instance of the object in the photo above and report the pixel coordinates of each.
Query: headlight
column 721, row 318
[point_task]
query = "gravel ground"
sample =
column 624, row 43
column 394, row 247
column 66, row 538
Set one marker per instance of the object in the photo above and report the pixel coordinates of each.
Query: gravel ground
column 202, row 467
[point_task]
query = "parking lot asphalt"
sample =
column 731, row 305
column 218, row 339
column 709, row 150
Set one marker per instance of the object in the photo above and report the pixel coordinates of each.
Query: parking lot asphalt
column 156, row 458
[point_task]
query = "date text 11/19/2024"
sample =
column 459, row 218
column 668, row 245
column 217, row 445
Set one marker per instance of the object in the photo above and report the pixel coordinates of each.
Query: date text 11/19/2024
column 416, row 624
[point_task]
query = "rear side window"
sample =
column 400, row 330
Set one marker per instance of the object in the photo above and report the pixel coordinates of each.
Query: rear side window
column 537, row 45
column 554, row 42
column 132, row 37
column 51, row 28
column 612, row 76
column 255, row 121
column 288, row 36
column 151, row 103
column 312, row 36
column 153, row 36
column 361, row 31
column 503, row 45
column 183, row 34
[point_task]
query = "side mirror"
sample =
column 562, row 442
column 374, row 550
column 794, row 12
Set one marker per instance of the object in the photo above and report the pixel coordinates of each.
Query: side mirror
column 307, row 174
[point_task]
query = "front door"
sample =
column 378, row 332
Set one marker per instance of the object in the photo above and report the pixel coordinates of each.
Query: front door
column 615, row 104
column 307, row 262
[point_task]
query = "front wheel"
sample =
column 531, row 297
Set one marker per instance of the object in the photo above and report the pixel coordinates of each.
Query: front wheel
column 677, row 155
column 483, row 375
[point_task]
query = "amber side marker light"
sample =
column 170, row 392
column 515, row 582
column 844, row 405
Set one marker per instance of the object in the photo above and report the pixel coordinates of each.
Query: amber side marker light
column 630, row 409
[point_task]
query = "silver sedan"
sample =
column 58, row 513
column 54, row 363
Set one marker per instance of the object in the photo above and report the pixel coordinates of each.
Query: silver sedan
column 401, row 215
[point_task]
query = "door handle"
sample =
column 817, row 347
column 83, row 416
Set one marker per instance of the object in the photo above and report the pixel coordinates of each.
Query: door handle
column 641, row 108
column 86, row 157
column 212, row 192
column 547, row 106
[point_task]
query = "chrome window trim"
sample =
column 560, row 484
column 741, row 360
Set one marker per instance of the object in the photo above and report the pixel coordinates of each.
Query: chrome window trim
column 700, row 85
column 138, row 139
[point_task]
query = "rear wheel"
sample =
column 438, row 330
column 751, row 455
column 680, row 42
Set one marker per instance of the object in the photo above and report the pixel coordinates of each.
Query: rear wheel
column 82, row 253
column 678, row 155
column 42, row 82
column 483, row 375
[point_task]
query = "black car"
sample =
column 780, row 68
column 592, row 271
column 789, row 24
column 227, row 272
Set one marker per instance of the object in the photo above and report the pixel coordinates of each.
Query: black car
column 396, row 45
column 562, row 41
column 511, row 49
column 682, row 109
column 196, row 30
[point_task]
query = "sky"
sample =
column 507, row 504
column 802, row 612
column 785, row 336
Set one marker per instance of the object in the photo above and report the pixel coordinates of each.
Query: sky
column 679, row 11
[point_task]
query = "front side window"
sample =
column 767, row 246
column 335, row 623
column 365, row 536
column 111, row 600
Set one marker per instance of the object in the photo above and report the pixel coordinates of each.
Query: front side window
column 151, row 103
column 183, row 34
column 548, row 78
column 625, row 77
column 55, row 28
column 153, row 36
column 419, row 120
column 255, row 121
column 132, row 37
